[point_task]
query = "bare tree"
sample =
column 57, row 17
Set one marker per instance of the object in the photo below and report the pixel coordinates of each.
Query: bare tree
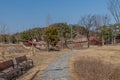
column 101, row 21
column 48, row 20
column 114, row 8
column 3, row 33
column 87, row 22
column 0, row 34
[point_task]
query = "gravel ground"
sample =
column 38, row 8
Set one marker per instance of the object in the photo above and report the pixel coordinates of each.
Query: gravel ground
column 59, row 69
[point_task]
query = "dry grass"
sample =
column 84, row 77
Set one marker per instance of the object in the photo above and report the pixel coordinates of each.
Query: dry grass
column 94, row 69
column 96, row 63
column 41, row 59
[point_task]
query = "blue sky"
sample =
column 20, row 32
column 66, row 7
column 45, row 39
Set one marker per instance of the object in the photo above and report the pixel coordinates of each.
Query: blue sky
column 20, row 15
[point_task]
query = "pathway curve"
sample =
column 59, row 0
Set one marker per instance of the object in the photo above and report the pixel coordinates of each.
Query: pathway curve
column 59, row 69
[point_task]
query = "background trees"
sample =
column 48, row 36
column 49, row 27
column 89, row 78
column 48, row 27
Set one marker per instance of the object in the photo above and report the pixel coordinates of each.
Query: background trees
column 87, row 22
column 64, row 32
column 114, row 8
column 13, row 39
column 51, row 36
column 101, row 22
column 3, row 33
column 35, row 33
column 25, row 36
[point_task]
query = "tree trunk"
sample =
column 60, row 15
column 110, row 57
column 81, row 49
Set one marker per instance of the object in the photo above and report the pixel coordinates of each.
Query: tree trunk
column 33, row 50
column 61, row 42
column 88, row 43
column 47, row 46
column 114, row 40
column 66, row 44
column 88, row 37
column 103, row 41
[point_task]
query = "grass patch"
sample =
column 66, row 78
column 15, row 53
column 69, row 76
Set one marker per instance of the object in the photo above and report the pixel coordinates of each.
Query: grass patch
column 88, row 68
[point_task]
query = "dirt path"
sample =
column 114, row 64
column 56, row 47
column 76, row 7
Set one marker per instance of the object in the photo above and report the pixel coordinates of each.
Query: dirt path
column 59, row 69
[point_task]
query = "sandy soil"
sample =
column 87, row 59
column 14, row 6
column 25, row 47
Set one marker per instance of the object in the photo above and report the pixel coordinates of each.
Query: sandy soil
column 109, row 54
